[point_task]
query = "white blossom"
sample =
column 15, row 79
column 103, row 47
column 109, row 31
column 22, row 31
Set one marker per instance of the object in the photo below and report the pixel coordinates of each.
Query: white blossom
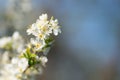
column 13, row 70
column 43, row 60
column 20, row 63
column 8, row 72
column 43, row 17
column 17, row 42
column 32, row 30
column 5, row 41
column 43, row 26
column 39, row 44
column 55, row 27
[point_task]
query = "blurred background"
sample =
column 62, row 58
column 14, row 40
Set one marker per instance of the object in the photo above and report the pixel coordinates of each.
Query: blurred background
column 88, row 47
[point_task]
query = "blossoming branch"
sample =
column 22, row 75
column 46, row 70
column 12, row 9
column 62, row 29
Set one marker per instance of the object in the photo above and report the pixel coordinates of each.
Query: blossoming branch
column 29, row 60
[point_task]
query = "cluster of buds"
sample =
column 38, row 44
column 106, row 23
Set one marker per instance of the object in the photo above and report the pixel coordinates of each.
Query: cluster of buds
column 33, row 58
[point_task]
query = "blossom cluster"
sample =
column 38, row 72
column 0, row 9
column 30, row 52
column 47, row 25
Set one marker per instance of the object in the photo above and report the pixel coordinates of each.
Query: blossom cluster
column 31, row 57
column 14, row 70
column 42, row 30
column 14, row 43
column 11, row 66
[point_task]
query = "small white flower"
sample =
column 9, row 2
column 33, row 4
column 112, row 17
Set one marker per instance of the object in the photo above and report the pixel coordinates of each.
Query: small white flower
column 44, row 27
column 39, row 44
column 43, row 17
column 17, row 42
column 20, row 63
column 33, row 30
column 23, row 64
column 5, row 41
column 14, row 60
column 43, row 60
column 55, row 27
column 16, row 35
